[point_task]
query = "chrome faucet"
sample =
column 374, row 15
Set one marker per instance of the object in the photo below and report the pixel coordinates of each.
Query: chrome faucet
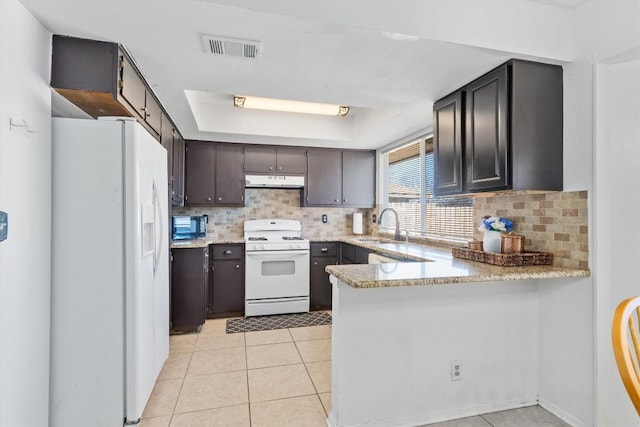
column 397, row 233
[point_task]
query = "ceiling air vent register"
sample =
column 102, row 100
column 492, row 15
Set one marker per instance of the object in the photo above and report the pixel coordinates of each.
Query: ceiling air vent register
column 225, row 46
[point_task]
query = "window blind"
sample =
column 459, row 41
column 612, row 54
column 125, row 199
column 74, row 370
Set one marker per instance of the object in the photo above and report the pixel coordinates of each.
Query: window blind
column 445, row 217
column 403, row 192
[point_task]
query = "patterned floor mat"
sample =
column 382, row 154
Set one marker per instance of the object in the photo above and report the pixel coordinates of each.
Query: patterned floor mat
column 279, row 321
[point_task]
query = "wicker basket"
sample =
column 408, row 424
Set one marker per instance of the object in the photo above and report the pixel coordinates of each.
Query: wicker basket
column 504, row 260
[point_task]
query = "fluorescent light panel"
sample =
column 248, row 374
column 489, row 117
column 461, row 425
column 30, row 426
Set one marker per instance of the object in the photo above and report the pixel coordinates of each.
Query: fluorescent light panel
column 289, row 106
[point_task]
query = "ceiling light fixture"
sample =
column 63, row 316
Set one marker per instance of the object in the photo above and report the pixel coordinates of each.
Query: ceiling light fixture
column 289, row 106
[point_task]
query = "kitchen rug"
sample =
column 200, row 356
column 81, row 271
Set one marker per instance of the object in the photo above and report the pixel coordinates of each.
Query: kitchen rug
column 278, row 321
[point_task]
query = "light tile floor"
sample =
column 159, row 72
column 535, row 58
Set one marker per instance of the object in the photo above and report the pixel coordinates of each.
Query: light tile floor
column 277, row 378
column 273, row 378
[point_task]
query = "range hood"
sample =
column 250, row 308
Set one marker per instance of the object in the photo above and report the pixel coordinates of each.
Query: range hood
column 274, row 181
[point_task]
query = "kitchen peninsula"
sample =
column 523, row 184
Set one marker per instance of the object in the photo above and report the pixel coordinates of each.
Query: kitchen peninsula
column 421, row 342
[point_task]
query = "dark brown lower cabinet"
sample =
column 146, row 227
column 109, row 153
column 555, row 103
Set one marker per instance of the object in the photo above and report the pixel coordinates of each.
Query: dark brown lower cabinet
column 189, row 279
column 351, row 254
column 226, row 287
column 322, row 255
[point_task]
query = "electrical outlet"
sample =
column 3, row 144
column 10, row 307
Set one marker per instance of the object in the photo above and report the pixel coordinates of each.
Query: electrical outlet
column 374, row 218
column 325, row 219
column 456, row 370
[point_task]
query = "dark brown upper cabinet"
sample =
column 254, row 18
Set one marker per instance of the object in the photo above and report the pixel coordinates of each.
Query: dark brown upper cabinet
column 279, row 160
column 101, row 79
column 340, row 178
column 323, row 186
column 171, row 139
column 359, row 178
column 200, row 175
column 178, row 170
column 213, row 174
column 503, row 131
column 486, row 140
column 447, row 142
column 229, row 176
column 138, row 95
column 167, row 134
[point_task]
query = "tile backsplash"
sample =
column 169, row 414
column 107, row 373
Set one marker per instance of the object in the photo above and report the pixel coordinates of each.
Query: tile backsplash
column 551, row 222
column 261, row 203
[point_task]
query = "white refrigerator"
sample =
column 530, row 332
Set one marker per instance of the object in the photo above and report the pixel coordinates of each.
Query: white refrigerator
column 110, row 271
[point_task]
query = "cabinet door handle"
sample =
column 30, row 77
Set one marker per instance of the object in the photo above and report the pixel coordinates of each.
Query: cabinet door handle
column 209, row 198
column 237, row 266
column 344, row 200
column 227, row 252
column 279, row 168
column 325, row 249
column 315, row 262
column 270, row 168
column 336, row 200
column 219, row 198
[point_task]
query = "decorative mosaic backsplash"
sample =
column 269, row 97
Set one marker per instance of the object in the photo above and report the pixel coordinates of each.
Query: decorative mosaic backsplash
column 550, row 222
column 277, row 203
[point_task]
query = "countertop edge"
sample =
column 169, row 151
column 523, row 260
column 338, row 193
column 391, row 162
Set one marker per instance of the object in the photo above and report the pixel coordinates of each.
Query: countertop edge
column 551, row 273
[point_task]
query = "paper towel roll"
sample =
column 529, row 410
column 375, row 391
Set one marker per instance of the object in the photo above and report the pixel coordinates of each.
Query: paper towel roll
column 357, row 223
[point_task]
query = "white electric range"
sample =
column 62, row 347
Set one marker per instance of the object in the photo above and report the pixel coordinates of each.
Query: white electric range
column 276, row 267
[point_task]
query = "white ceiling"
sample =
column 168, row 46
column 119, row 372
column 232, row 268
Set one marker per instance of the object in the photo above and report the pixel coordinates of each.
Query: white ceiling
column 387, row 59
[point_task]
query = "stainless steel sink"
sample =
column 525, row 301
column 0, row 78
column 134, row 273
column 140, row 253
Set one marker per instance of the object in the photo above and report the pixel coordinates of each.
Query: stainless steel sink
column 367, row 240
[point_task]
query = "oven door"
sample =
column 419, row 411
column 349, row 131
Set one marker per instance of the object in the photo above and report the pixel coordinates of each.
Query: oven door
column 276, row 274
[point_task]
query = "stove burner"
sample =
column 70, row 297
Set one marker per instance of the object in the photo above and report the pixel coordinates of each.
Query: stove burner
column 291, row 238
column 255, row 239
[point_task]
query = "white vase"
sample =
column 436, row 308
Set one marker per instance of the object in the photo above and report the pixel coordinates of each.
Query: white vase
column 491, row 241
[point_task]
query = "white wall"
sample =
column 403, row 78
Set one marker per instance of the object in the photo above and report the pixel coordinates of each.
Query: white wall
column 617, row 203
column 577, row 378
column 565, row 349
column 392, row 350
column 602, row 107
column 566, row 325
column 25, row 194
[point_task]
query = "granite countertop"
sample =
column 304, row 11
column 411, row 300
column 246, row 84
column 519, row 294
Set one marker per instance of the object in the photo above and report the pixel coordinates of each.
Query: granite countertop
column 203, row 243
column 440, row 272
column 438, row 267
column 433, row 265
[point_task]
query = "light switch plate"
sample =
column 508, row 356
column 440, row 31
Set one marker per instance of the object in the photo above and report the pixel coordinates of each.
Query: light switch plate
column 4, row 226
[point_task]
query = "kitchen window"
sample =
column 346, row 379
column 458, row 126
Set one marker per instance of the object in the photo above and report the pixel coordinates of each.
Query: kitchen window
column 407, row 179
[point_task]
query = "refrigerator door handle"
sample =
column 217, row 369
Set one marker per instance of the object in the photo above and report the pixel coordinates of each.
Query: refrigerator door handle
column 158, row 220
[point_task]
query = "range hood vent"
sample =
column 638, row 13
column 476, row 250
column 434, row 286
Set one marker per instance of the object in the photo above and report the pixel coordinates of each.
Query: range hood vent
column 274, row 181
column 225, row 46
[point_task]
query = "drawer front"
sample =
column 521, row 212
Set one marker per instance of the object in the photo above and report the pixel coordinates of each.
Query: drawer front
column 324, row 249
column 228, row 252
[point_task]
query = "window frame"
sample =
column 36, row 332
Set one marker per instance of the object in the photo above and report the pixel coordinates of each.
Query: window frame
column 383, row 179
